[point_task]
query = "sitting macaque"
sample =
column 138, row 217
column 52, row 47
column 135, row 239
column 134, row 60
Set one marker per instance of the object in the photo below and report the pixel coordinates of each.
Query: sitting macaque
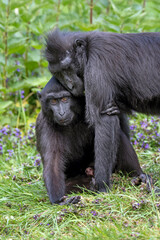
column 66, row 143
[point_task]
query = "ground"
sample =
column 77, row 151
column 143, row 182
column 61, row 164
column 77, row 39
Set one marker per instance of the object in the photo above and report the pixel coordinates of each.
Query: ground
column 127, row 212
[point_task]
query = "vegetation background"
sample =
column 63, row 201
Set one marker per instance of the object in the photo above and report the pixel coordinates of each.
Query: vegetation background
column 128, row 212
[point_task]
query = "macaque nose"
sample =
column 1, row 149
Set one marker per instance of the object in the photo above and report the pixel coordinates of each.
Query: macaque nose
column 61, row 113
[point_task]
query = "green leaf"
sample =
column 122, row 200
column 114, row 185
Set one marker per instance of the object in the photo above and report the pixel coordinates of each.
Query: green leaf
column 4, row 105
column 28, row 83
column 34, row 55
column 31, row 65
column 2, row 27
column 2, row 59
column 5, row 2
column 36, row 89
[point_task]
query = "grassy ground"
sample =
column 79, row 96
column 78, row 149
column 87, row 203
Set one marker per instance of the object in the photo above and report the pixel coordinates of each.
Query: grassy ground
column 127, row 212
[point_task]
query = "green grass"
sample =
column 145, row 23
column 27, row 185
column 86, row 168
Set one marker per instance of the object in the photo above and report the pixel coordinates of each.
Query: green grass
column 127, row 212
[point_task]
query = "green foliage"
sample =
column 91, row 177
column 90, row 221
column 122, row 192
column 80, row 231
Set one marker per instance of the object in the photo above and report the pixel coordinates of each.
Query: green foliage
column 23, row 25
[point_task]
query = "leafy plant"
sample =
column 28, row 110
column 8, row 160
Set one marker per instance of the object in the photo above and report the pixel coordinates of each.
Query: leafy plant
column 23, row 26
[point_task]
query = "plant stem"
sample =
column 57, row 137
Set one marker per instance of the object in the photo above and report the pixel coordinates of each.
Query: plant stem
column 6, row 46
column 108, row 9
column 144, row 4
column 58, row 11
column 91, row 12
column 26, row 52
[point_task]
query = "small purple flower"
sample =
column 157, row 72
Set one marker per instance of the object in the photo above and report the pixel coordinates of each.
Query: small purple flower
column 37, row 162
column 36, row 216
column 17, row 133
column 18, row 70
column 10, row 152
column 144, row 124
column 1, row 149
column 14, row 177
column 140, row 135
column 64, row 210
column 94, row 213
column 22, row 92
column 132, row 127
column 146, row 146
column 3, row 131
column 32, row 125
column 7, row 80
column 135, row 142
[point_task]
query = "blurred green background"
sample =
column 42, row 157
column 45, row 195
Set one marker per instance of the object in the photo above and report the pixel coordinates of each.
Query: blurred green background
column 23, row 25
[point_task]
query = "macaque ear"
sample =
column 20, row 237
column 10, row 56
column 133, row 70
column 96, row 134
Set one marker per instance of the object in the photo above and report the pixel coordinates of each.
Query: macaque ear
column 39, row 95
column 80, row 43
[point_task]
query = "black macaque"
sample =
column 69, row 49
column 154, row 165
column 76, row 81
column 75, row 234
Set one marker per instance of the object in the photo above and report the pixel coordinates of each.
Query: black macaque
column 66, row 143
column 63, row 139
column 113, row 69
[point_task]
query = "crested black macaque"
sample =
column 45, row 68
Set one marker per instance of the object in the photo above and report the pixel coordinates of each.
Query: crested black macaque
column 63, row 138
column 66, row 142
column 112, row 68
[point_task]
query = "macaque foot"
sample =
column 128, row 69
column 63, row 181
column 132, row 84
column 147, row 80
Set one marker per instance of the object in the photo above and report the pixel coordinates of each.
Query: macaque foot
column 92, row 185
column 142, row 178
column 145, row 178
column 72, row 200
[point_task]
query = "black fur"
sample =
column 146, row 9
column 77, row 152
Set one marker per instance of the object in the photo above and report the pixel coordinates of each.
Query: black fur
column 110, row 67
column 67, row 150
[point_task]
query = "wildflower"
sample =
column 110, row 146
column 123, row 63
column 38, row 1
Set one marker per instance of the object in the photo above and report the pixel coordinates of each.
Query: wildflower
column 144, row 124
column 132, row 127
column 36, row 216
column 10, row 152
column 22, row 92
column 135, row 205
column 17, row 133
column 135, row 142
column 37, row 162
column 3, row 131
column 140, row 135
column 1, row 149
column 94, row 213
column 146, row 146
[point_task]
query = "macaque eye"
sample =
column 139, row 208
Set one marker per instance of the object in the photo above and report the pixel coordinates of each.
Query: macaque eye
column 64, row 99
column 53, row 101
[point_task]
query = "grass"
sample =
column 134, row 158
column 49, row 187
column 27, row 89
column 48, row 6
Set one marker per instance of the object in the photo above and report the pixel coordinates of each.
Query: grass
column 127, row 212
